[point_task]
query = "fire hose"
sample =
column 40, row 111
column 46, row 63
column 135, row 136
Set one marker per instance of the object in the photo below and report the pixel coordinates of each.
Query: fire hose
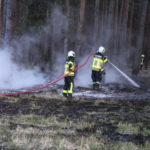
column 45, row 86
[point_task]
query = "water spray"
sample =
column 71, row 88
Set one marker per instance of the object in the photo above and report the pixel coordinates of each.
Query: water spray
column 127, row 77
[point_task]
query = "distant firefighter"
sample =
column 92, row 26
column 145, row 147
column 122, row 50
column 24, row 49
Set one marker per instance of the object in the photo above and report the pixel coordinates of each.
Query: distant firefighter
column 142, row 61
column 69, row 80
column 97, row 67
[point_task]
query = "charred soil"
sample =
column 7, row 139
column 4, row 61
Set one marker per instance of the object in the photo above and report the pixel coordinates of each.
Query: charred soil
column 29, row 119
column 112, row 118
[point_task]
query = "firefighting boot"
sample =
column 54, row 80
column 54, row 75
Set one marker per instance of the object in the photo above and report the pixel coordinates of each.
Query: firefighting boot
column 69, row 94
column 94, row 86
column 65, row 94
column 97, row 86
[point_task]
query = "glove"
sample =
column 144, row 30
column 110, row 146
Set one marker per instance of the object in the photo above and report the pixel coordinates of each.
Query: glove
column 102, row 71
column 105, row 59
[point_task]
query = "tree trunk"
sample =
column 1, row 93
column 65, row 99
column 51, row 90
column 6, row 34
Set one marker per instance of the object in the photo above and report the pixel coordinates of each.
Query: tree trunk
column 96, row 23
column 131, row 23
column 80, row 25
column 53, row 51
column 23, row 13
column 102, row 14
column 0, row 22
column 116, row 27
column 66, row 40
column 140, row 37
column 7, row 16
column 120, row 26
column 146, row 48
column 13, row 18
column 104, row 22
column 124, row 24
column 9, row 19
column 111, row 25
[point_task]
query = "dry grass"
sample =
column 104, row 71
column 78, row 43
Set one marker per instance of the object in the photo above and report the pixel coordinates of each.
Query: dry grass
column 36, row 123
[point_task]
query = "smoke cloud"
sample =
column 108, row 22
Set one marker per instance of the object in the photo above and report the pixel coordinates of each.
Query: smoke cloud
column 44, row 49
column 12, row 76
column 84, row 74
column 112, row 76
column 50, row 44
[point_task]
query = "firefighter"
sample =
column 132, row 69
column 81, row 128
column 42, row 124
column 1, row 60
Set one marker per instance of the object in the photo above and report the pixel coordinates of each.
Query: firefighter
column 69, row 79
column 142, row 61
column 97, row 67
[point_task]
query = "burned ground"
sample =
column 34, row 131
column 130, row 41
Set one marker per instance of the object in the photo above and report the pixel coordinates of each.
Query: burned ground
column 102, row 117
column 116, row 116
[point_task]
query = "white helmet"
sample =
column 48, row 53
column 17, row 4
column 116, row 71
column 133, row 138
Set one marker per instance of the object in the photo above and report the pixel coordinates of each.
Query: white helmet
column 142, row 55
column 71, row 54
column 101, row 50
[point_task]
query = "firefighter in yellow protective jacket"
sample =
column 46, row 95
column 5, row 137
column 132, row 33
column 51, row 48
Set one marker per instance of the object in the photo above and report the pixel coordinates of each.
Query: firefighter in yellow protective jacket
column 69, row 80
column 142, row 61
column 97, row 67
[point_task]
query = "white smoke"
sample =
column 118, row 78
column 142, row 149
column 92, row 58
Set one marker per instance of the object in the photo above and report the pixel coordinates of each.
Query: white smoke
column 84, row 74
column 27, row 51
column 51, row 39
column 112, row 76
column 13, row 76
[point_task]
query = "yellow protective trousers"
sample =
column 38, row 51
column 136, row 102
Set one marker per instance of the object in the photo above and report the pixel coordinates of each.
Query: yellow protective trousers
column 69, row 85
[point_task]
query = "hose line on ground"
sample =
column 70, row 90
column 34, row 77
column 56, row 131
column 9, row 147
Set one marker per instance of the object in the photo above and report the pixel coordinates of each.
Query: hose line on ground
column 45, row 86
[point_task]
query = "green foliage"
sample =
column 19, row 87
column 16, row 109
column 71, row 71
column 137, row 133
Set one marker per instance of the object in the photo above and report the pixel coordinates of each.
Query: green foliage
column 145, row 132
column 127, row 129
